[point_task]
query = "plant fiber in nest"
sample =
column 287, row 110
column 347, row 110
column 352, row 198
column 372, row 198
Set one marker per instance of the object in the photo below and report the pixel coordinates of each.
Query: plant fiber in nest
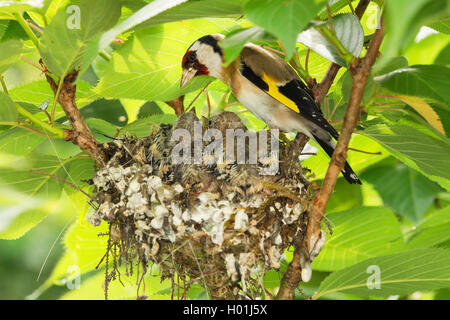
column 222, row 225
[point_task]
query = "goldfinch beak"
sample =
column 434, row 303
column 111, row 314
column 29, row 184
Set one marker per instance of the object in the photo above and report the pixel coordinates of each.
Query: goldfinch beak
column 188, row 74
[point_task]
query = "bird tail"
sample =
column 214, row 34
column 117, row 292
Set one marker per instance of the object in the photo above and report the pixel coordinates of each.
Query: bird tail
column 347, row 172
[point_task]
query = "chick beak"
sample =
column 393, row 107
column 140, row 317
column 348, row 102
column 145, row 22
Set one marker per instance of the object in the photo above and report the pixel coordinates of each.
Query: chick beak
column 187, row 75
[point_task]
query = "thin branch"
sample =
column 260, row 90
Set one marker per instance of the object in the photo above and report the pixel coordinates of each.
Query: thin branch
column 360, row 72
column 62, row 180
column 366, row 152
column 57, row 132
column 307, row 59
column 32, row 63
column 5, row 88
column 80, row 134
column 33, row 26
column 196, row 97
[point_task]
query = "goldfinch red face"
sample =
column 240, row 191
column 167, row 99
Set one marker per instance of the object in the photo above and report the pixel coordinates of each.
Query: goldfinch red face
column 203, row 57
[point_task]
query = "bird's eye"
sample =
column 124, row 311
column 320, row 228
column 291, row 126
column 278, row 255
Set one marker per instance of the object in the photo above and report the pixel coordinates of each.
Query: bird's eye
column 192, row 56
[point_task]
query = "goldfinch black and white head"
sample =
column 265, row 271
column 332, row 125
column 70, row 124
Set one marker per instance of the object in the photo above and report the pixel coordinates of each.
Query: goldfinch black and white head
column 268, row 87
column 203, row 57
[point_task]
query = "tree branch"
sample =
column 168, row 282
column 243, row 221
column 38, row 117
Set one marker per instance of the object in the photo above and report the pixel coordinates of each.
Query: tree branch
column 80, row 134
column 359, row 70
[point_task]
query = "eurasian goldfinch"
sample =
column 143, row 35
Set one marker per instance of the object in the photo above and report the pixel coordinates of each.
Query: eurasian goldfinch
column 268, row 87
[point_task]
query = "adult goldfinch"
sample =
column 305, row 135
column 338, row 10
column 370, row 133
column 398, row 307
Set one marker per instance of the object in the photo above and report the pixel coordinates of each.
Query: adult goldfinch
column 268, row 87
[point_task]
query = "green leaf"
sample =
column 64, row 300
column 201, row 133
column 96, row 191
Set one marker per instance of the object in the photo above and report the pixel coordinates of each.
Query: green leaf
column 53, row 7
column 349, row 32
column 8, row 110
column 284, row 19
column 443, row 57
column 164, row 11
column 19, row 141
column 345, row 196
column 359, row 234
column 442, row 25
column 92, row 289
column 10, row 52
column 358, row 161
column 426, row 50
column 391, row 65
column 148, row 66
column 403, row 189
column 416, row 149
column 189, row 10
column 14, row 6
column 78, row 171
column 36, row 92
column 143, row 127
column 20, row 213
column 413, row 15
column 36, row 184
column 432, row 231
column 426, row 81
column 235, row 41
column 66, row 42
column 401, row 273
column 108, row 110
column 100, row 128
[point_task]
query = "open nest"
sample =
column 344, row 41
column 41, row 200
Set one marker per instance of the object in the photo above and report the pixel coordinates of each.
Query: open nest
column 222, row 225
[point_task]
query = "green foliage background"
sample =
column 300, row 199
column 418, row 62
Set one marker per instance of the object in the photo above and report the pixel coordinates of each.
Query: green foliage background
column 399, row 219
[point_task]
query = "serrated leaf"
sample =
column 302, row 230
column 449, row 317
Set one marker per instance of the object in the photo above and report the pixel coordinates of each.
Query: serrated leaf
column 148, row 66
column 8, row 110
column 64, row 46
column 418, row 150
column 425, row 81
column 358, row 234
column 403, row 189
column 349, row 32
column 284, row 19
column 401, row 273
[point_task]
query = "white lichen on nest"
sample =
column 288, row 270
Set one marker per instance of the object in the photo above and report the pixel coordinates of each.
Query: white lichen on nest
column 218, row 223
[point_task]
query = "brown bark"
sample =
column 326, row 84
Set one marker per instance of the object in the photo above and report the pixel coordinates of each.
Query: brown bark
column 80, row 134
column 177, row 105
column 359, row 70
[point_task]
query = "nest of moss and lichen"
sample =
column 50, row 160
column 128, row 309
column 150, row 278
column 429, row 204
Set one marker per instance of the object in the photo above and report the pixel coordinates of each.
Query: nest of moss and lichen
column 221, row 225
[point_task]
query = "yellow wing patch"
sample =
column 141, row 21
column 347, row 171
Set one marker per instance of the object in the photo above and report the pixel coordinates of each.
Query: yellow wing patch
column 276, row 94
